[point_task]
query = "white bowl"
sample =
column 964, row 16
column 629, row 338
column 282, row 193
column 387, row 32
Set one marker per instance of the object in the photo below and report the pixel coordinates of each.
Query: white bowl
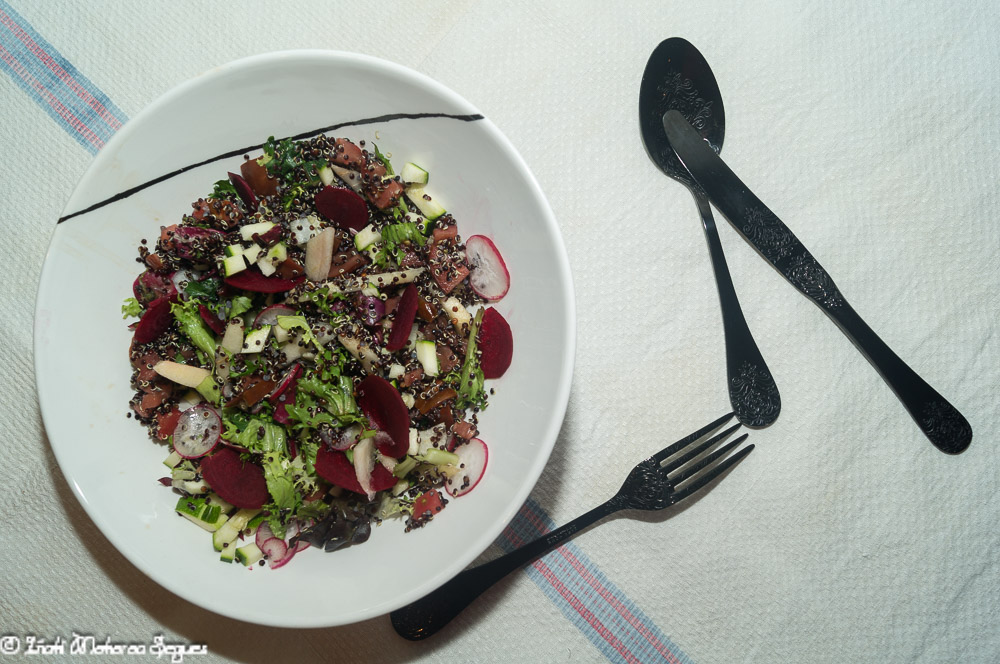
column 142, row 180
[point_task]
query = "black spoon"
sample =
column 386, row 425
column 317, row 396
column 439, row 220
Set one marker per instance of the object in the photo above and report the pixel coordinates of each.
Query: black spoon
column 677, row 77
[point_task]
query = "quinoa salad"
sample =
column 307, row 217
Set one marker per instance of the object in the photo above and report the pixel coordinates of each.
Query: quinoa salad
column 312, row 344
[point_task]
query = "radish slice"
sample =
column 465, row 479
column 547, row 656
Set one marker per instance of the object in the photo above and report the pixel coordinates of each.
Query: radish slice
column 264, row 533
column 343, row 207
column 239, row 483
column 495, row 343
column 197, row 432
column 488, row 277
column 472, row 458
column 269, row 316
column 384, row 407
column 244, row 190
column 275, row 550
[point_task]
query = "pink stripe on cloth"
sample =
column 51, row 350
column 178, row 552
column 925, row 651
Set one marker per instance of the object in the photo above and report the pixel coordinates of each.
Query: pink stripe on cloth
column 60, row 109
column 57, row 69
column 574, row 601
column 603, row 591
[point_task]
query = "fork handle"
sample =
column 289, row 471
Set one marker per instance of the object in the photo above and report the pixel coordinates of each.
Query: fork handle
column 427, row 615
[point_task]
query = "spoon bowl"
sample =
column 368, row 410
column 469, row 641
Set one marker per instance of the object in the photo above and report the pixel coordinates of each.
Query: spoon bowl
column 678, row 78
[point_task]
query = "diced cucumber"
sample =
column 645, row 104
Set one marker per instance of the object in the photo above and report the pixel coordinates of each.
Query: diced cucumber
column 413, row 174
column 233, row 250
column 325, row 174
column 424, row 226
column 439, row 457
column 233, row 264
column 208, row 389
column 252, row 253
column 228, row 553
column 457, row 314
column 247, row 232
column 396, row 371
column 255, row 339
column 202, row 512
column 275, row 256
column 231, row 529
column 366, row 237
column 427, row 206
column 172, row 459
column 249, row 554
column 427, row 356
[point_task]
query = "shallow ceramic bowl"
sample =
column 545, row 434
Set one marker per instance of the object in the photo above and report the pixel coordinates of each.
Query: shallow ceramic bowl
column 147, row 176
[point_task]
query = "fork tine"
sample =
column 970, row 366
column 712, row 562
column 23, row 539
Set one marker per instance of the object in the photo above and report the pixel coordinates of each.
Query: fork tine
column 690, row 438
column 697, row 451
column 714, row 472
column 686, row 473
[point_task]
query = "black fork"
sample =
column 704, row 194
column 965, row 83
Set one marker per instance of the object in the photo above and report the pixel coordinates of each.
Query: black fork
column 662, row 480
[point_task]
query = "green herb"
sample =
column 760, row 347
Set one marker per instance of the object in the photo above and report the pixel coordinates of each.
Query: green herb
column 206, row 289
column 293, row 322
column 240, row 305
column 131, row 308
column 193, row 326
column 385, row 161
column 469, row 382
column 223, row 189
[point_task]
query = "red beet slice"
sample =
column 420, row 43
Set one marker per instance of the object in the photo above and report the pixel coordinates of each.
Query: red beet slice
column 244, row 191
column 335, row 468
column 237, row 482
column 384, row 408
column 406, row 312
column 252, row 280
column 496, row 344
column 284, row 394
column 216, row 324
column 343, row 207
column 155, row 321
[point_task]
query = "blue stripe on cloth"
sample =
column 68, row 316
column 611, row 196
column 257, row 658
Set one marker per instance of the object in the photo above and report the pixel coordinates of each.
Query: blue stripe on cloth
column 66, row 95
column 603, row 613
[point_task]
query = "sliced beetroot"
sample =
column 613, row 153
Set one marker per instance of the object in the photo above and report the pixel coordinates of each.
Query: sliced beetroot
column 472, row 459
column 156, row 320
column 244, row 190
column 216, row 324
column 384, row 408
column 488, row 277
column 271, row 237
column 240, row 483
column 496, row 344
column 406, row 312
column 284, row 394
column 343, row 207
column 334, row 467
column 252, row 280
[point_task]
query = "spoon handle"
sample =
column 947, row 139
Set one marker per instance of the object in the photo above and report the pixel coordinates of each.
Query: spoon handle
column 752, row 390
column 941, row 422
column 426, row 616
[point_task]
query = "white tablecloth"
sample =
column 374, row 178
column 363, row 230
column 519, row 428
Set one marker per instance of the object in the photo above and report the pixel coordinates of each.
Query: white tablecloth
column 870, row 128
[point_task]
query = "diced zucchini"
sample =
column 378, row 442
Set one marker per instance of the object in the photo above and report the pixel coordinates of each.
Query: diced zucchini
column 202, row 512
column 228, row 553
column 325, row 174
column 396, row 371
column 233, row 264
column 247, row 232
column 427, row 356
column 172, row 459
column 208, row 389
column 252, row 253
column 413, row 174
column 233, row 250
column 457, row 314
column 249, row 554
column 275, row 256
column 366, row 237
column 231, row 529
column 255, row 339
column 427, row 206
